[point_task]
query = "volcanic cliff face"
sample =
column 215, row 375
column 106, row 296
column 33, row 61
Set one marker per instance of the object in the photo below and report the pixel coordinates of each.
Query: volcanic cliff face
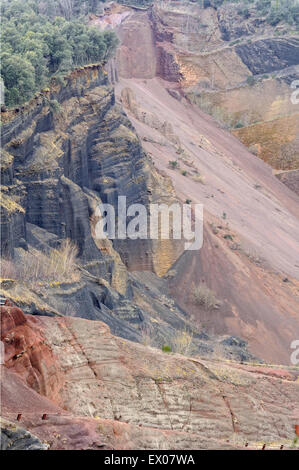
column 58, row 167
column 107, row 392
column 76, row 145
column 51, row 157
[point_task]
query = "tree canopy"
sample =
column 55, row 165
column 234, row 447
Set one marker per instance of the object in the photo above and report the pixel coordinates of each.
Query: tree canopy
column 37, row 44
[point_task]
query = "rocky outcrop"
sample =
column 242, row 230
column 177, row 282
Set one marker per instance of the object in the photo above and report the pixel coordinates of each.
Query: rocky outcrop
column 168, row 67
column 39, row 162
column 58, row 166
column 269, row 55
column 67, row 162
column 128, row 396
column 27, row 352
column 16, row 438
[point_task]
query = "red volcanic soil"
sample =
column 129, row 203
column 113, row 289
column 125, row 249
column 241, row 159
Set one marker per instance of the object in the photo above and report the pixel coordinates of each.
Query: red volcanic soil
column 117, row 394
column 27, row 353
column 256, row 304
column 261, row 209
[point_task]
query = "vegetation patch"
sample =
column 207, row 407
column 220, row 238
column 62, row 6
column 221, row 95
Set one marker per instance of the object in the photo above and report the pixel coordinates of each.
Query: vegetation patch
column 55, row 266
column 166, row 348
column 9, row 204
column 173, row 164
column 182, row 342
column 205, row 297
column 44, row 39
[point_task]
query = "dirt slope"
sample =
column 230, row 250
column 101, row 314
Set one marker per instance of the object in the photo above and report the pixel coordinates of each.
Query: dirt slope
column 241, row 195
column 257, row 214
column 242, row 186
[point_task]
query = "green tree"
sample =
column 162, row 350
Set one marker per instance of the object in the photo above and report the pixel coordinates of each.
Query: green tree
column 39, row 42
column 19, row 79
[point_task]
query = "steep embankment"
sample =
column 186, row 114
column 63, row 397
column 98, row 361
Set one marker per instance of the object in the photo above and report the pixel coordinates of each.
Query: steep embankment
column 106, row 392
column 254, row 219
column 251, row 218
column 58, row 167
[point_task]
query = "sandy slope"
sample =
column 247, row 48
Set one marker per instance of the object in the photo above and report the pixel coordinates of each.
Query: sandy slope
column 258, row 206
column 261, row 209
column 261, row 215
column 240, row 193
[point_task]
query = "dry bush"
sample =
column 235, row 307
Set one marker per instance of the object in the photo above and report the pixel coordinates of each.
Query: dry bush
column 182, row 342
column 57, row 265
column 254, row 256
column 8, row 269
column 204, row 296
column 146, row 336
column 288, row 158
column 199, row 179
column 63, row 259
column 225, row 119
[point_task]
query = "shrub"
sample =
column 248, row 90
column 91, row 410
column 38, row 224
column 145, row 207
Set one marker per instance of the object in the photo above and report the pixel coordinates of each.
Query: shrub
column 244, row 12
column 57, row 265
column 205, row 297
column 199, row 179
column 173, row 164
column 166, row 348
column 250, row 80
column 63, row 259
column 182, row 342
column 54, row 106
column 146, row 336
column 214, row 228
column 238, row 125
column 8, row 269
column 227, row 236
